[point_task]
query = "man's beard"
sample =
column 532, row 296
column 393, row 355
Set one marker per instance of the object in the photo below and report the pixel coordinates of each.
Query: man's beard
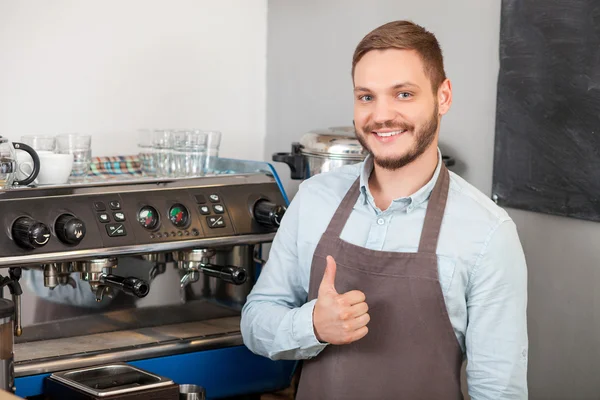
column 423, row 138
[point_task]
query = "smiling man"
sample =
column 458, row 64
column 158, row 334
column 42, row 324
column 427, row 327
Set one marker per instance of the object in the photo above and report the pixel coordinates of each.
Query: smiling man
column 386, row 275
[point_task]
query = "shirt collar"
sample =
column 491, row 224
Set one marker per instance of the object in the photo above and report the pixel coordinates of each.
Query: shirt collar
column 416, row 199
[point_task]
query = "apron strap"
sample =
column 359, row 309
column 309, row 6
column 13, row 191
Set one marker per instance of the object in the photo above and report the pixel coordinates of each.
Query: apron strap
column 435, row 213
column 433, row 217
column 337, row 223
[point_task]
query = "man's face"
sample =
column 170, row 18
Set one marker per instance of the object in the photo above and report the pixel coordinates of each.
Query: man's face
column 396, row 113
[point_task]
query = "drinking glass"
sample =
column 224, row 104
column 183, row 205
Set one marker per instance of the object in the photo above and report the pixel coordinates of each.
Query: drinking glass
column 190, row 153
column 80, row 146
column 213, row 143
column 162, row 145
column 146, row 152
column 40, row 142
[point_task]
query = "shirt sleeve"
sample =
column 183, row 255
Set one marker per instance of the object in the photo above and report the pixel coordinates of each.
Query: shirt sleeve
column 276, row 320
column 496, row 336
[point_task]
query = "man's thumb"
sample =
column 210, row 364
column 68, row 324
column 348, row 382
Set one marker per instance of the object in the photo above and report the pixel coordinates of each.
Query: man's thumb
column 328, row 282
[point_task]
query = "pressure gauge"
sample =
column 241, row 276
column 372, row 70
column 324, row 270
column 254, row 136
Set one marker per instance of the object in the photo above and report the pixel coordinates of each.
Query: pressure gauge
column 148, row 217
column 179, row 216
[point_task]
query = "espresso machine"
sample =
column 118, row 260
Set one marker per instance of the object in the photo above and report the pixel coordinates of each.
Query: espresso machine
column 141, row 278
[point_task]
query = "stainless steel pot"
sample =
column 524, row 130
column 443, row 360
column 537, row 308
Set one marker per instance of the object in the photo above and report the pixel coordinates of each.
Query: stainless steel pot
column 323, row 150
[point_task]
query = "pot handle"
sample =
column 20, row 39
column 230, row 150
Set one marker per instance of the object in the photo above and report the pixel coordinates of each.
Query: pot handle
column 36, row 164
column 448, row 160
column 295, row 160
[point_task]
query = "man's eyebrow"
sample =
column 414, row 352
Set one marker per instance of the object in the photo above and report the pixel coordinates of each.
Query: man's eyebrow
column 402, row 85
column 405, row 85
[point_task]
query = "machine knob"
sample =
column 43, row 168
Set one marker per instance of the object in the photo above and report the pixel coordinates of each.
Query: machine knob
column 268, row 214
column 69, row 229
column 29, row 233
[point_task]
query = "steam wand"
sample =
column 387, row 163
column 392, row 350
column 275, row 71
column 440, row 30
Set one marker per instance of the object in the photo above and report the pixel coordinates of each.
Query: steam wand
column 14, row 287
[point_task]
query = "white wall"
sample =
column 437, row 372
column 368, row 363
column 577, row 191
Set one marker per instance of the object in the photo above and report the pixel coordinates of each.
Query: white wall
column 110, row 67
column 310, row 46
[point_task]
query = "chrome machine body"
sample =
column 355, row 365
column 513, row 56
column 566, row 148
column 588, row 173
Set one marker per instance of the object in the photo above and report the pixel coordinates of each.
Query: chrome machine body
column 151, row 272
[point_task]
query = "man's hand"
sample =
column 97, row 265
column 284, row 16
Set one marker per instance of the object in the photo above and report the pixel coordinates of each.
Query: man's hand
column 339, row 318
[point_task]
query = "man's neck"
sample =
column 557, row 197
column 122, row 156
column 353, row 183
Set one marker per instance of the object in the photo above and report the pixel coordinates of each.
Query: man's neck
column 386, row 185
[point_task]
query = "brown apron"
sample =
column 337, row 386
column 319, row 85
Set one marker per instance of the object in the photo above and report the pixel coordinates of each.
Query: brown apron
column 411, row 351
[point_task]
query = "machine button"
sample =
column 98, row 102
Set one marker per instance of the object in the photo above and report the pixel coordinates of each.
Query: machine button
column 114, row 230
column 195, row 232
column 218, row 209
column 103, row 217
column 200, row 199
column 99, row 206
column 215, row 222
column 115, row 205
column 214, row 198
column 179, row 233
column 69, row 229
column 119, row 216
column 204, row 210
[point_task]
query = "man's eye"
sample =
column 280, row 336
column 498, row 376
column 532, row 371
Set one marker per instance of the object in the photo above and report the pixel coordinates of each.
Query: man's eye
column 365, row 97
column 404, row 95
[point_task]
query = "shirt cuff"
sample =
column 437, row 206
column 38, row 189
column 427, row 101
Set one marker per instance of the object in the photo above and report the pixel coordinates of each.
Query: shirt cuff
column 303, row 330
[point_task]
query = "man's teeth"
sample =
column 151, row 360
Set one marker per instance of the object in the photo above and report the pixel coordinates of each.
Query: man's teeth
column 388, row 134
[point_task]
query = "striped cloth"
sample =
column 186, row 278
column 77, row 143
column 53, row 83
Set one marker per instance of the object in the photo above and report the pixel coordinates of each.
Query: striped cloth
column 116, row 165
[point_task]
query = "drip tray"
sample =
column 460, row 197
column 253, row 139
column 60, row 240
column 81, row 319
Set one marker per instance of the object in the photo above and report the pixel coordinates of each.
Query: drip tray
column 110, row 380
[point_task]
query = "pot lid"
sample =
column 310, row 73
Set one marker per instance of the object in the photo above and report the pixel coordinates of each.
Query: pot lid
column 338, row 141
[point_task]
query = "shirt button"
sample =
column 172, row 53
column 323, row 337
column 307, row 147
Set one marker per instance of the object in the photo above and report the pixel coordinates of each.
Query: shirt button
column 380, row 221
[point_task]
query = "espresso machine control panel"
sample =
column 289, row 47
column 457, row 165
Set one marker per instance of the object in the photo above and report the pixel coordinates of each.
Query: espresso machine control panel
column 78, row 221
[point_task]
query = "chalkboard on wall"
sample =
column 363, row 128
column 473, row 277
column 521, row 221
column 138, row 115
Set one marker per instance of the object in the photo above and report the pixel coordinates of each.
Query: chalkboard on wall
column 547, row 150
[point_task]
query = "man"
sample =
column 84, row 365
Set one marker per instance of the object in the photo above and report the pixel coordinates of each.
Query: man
column 384, row 276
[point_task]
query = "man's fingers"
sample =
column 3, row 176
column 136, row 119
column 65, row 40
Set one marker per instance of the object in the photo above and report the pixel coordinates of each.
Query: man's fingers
column 359, row 309
column 328, row 282
column 359, row 322
column 359, row 333
column 352, row 297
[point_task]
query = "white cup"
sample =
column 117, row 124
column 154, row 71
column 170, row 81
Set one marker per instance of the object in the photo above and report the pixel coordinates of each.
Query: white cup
column 25, row 164
column 54, row 168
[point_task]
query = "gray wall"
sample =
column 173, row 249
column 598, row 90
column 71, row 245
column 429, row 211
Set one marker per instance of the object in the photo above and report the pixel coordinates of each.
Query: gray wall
column 310, row 45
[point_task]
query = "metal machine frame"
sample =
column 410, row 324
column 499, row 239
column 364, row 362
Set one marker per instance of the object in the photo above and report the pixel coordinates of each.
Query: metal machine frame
column 219, row 362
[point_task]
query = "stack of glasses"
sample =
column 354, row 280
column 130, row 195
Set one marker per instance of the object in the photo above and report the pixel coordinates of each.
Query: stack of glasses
column 78, row 145
column 177, row 153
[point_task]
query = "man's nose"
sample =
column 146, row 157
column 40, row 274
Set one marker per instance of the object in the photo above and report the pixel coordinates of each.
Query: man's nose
column 383, row 111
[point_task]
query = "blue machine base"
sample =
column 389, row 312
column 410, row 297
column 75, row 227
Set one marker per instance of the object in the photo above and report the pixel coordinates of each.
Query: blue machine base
column 224, row 372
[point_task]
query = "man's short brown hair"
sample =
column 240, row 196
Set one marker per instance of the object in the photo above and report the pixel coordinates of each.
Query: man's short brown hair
column 405, row 35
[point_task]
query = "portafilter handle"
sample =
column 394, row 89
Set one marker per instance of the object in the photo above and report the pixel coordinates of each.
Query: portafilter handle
column 129, row 285
column 228, row 273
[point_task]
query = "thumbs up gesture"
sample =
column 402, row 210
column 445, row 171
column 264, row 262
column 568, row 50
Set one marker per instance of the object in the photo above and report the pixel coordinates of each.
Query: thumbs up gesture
column 339, row 318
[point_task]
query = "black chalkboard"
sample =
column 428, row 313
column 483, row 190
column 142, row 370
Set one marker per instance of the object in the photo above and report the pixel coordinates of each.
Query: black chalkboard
column 547, row 144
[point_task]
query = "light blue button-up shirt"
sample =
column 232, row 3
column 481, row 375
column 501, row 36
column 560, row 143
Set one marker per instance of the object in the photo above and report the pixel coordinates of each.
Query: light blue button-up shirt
column 481, row 266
